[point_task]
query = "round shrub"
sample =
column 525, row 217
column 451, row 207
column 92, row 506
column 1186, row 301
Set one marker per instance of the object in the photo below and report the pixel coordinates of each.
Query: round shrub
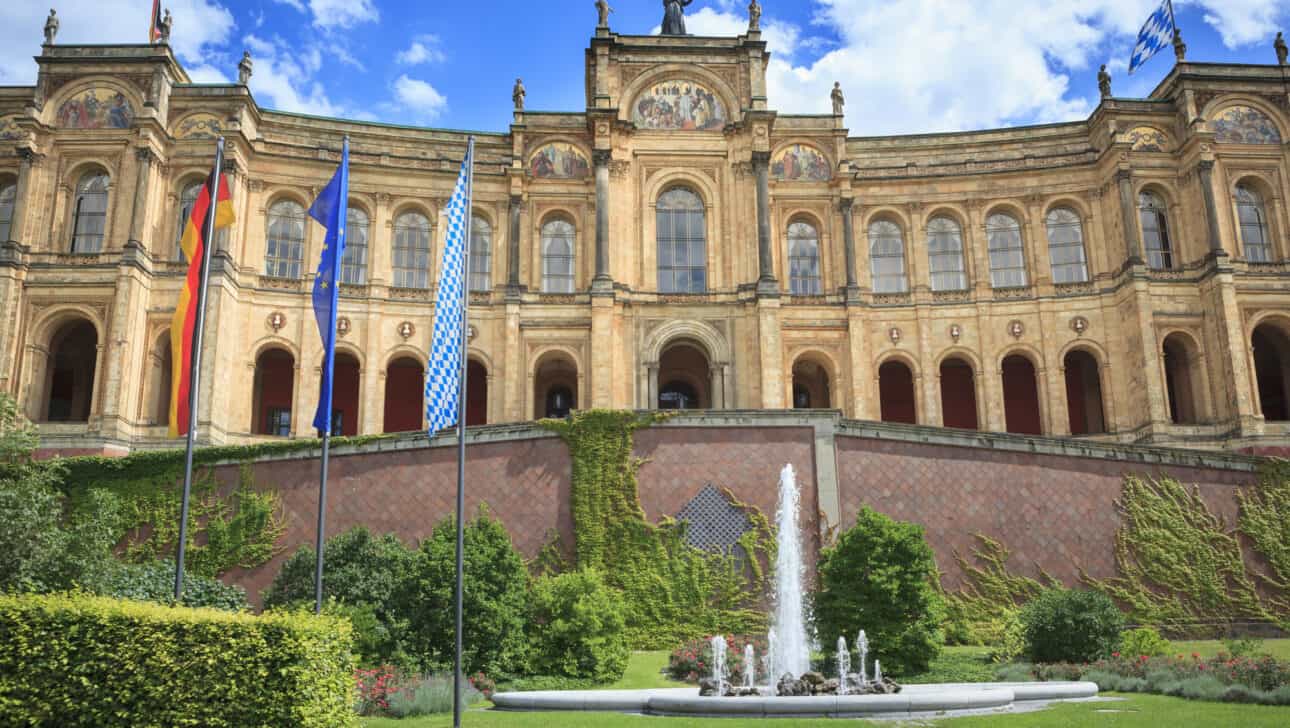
column 358, row 568
column 880, row 577
column 577, row 628
column 1071, row 625
column 1144, row 641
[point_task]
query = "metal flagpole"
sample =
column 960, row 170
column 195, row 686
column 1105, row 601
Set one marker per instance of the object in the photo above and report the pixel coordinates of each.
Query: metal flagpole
column 195, row 374
column 461, row 435
column 330, row 363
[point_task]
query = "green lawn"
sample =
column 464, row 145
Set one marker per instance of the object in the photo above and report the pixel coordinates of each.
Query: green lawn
column 1279, row 648
column 645, row 670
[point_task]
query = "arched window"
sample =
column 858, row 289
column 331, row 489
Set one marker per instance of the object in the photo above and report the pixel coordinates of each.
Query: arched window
column 187, row 198
column 804, row 259
column 1253, row 217
column 8, row 194
column 1066, row 246
column 1007, row 259
column 285, row 248
column 557, row 256
column 887, row 257
column 681, row 234
column 89, row 213
column 353, row 265
column 481, row 254
column 1155, row 230
column 412, row 251
column 945, row 255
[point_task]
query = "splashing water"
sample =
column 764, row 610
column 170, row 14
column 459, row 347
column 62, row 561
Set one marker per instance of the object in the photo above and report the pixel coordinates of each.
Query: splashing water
column 877, row 672
column 862, row 646
column 768, row 662
column 750, row 666
column 844, row 665
column 791, row 652
column 719, row 663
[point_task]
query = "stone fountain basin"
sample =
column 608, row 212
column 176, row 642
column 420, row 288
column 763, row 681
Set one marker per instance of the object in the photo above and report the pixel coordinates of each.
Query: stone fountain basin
column 912, row 700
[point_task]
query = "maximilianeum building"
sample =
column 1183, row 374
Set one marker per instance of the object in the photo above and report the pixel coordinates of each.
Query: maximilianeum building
column 677, row 243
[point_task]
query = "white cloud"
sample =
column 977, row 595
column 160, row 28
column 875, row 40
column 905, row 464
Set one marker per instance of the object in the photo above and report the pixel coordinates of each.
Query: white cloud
column 207, row 74
column 424, row 49
column 930, row 65
column 299, row 6
column 343, row 13
column 199, row 26
column 283, row 77
column 423, row 100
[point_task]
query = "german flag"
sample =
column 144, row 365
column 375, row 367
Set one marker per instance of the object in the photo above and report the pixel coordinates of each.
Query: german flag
column 183, row 327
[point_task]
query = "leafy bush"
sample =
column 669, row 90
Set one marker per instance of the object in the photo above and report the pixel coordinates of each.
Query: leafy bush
column 1243, row 646
column 375, row 686
column 1071, row 625
column 880, row 577
column 1144, row 641
column 429, row 695
column 155, row 582
column 576, row 627
column 1222, row 678
column 951, row 666
column 1011, row 643
column 692, row 661
column 495, row 598
column 78, row 660
column 361, row 576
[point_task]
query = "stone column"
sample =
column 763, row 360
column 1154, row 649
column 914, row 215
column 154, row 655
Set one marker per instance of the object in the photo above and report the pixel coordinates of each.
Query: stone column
column 849, row 242
column 652, row 390
column 29, row 160
column 717, row 386
column 766, row 277
column 143, row 173
column 513, row 246
column 601, row 158
column 1205, row 168
column 1129, row 216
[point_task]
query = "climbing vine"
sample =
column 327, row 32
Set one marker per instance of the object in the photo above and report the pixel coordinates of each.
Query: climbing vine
column 1265, row 520
column 672, row 590
column 979, row 613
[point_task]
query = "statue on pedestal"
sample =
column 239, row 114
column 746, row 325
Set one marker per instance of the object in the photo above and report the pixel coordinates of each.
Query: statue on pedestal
column 1280, row 45
column 1104, row 82
column 517, row 94
column 838, row 100
column 244, row 69
column 602, row 11
column 754, row 15
column 1180, row 48
column 163, row 26
column 674, row 16
column 51, row 27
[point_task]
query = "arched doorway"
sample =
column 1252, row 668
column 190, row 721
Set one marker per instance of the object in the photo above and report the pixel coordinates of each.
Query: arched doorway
column 958, row 394
column 555, row 385
column 404, row 395
column 1020, row 396
column 896, row 393
column 1180, row 379
column 811, row 388
column 476, row 393
column 683, row 377
column 1272, row 371
column 344, row 395
column 1083, row 393
column 69, row 386
column 273, row 390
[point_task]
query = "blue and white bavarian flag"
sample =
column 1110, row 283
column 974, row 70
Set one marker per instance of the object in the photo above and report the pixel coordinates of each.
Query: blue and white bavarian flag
column 443, row 374
column 1156, row 33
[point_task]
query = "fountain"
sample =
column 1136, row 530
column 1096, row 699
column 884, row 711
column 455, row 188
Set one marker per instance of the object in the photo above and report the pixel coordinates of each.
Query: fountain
column 787, row 668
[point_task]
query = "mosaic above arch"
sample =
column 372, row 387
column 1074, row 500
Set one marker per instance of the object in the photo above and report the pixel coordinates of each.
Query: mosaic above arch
column 96, row 108
column 799, row 162
column 681, row 105
column 199, row 126
column 9, row 129
column 1244, row 125
column 1148, row 139
column 559, row 160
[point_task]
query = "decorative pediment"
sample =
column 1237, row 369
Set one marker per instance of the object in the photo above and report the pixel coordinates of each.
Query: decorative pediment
column 97, row 107
column 1148, row 139
column 679, row 105
column 558, row 160
column 1244, row 125
column 800, row 163
column 199, row 126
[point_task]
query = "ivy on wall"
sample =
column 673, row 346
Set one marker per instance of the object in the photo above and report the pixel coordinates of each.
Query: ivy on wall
column 978, row 613
column 672, row 590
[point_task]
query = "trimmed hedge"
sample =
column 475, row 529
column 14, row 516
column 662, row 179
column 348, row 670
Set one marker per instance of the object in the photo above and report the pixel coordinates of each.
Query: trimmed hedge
column 78, row 660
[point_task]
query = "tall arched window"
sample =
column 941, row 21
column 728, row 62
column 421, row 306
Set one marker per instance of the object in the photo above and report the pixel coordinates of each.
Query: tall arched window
column 1253, row 217
column 1066, row 246
column 804, row 259
column 681, row 234
column 353, row 264
column 1155, row 230
column 887, row 257
column 945, row 255
column 89, row 213
column 557, row 256
column 481, row 254
column 412, row 251
column 8, row 194
column 1007, row 259
column 187, row 198
column 285, row 247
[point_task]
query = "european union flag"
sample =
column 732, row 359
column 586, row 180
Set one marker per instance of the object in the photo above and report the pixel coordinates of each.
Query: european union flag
column 330, row 210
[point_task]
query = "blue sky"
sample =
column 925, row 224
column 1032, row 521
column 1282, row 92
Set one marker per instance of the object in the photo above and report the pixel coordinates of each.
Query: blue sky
column 906, row 65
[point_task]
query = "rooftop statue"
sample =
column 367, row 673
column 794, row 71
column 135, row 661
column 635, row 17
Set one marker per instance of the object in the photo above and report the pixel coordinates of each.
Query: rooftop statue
column 602, row 12
column 51, row 27
column 1280, row 46
column 674, row 16
column 754, row 15
column 244, row 68
column 1104, row 82
column 517, row 94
